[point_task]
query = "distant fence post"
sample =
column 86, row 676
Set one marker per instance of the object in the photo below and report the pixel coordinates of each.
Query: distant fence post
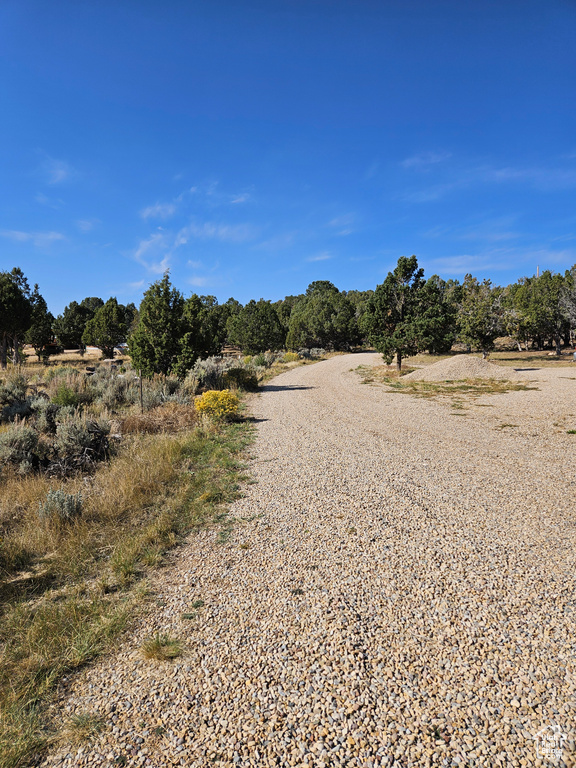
column 141, row 394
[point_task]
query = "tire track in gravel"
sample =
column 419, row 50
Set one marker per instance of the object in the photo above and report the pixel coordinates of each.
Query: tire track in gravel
column 398, row 590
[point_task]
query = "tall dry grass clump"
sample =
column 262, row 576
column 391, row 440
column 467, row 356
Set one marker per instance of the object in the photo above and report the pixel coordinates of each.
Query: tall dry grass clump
column 74, row 543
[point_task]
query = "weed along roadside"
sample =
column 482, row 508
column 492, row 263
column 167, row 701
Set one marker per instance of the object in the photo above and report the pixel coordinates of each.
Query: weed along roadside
column 397, row 589
column 78, row 548
column 103, row 473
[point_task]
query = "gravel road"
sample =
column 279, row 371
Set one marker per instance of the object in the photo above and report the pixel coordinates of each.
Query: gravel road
column 398, row 590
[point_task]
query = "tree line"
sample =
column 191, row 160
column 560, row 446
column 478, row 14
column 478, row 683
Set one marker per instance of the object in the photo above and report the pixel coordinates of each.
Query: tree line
column 404, row 315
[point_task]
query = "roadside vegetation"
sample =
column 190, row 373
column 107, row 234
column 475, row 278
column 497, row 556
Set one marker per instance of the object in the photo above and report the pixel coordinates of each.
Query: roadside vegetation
column 405, row 315
column 100, row 478
column 396, row 381
column 81, row 527
column 105, row 464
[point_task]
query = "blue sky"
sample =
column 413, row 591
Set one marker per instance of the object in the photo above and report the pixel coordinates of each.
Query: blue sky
column 252, row 146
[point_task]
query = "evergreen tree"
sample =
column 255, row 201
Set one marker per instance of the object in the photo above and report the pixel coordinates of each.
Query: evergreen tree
column 107, row 328
column 156, row 344
column 203, row 329
column 256, row 328
column 440, row 309
column 404, row 316
column 538, row 303
column 69, row 327
column 324, row 317
column 15, row 313
column 40, row 334
column 480, row 314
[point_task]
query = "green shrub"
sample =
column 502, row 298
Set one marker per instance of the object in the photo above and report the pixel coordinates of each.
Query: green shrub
column 80, row 443
column 62, row 505
column 65, row 395
column 13, row 388
column 291, row 357
column 240, row 378
column 60, row 371
column 45, row 414
column 19, row 447
column 13, row 401
column 260, row 361
column 220, row 404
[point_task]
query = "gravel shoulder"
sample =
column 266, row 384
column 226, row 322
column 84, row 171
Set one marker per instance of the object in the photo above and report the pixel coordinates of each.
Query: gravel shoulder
column 398, row 589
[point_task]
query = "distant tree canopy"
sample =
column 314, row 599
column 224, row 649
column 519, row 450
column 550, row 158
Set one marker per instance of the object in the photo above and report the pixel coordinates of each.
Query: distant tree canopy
column 107, row 328
column 537, row 309
column 15, row 313
column 171, row 332
column 480, row 316
column 407, row 314
column 69, row 327
column 324, row 317
column 39, row 334
column 204, row 331
column 256, row 328
column 404, row 315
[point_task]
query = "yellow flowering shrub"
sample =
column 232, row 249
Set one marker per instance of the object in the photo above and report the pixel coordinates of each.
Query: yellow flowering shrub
column 220, row 404
column 291, row 357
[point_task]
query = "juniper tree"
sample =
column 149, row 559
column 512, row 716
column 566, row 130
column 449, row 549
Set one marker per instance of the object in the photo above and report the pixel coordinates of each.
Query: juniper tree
column 405, row 314
column 155, row 344
column 107, row 328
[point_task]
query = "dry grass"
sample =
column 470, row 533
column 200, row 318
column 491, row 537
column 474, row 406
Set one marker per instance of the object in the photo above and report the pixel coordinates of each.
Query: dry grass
column 510, row 358
column 70, row 357
column 471, row 388
column 280, row 367
column 172, row 417
column 82, row 727
column 68, row 588
column 161, row 648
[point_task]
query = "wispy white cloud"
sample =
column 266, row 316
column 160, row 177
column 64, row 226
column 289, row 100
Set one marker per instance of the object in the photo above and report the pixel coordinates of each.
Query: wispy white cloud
column 197, row 281
column 372, row 170
column 545, row 179
column 424, row 160
column 343, row 224
column 228, row 233
column 50, row 202
column 138, row 284
column 465, row 263
column 153, row 253
column 564, row 238
column 158, row 211
column 279, row 242
column 38, row 239
column 432, row 193
column 500, row 259
column 56, row 171
column 243, row 198
column 323, row 256
column 541, row 178
column 86, row 225
column 488, row 230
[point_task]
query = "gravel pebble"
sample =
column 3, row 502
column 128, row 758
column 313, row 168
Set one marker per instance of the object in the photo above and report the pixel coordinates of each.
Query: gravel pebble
column 398, row 590
column 463, row 367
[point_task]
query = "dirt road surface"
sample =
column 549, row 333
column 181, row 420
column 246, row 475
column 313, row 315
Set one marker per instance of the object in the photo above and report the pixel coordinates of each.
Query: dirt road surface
column 398, row 589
